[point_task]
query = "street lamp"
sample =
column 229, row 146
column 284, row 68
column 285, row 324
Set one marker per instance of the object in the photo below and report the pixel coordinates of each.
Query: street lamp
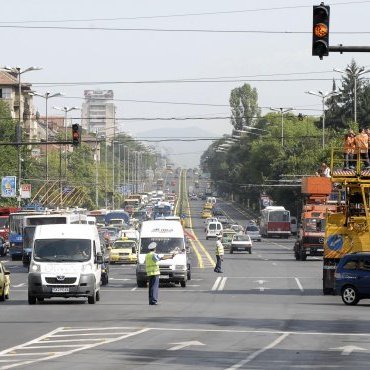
column 19, row 71
column 48, row 95
column 282, row 111
column 323, row 97
column 355, row 76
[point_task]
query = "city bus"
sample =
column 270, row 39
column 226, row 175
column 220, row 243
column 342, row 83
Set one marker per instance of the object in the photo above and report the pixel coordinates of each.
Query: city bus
column 275, row 221
column 19, row 221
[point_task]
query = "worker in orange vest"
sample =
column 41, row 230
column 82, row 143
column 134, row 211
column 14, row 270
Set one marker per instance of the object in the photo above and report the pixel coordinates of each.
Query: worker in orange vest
column 362, row 146
column 349, row 148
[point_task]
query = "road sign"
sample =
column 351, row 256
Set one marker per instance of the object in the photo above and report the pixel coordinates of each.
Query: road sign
column 25, row 191
column 9, row 187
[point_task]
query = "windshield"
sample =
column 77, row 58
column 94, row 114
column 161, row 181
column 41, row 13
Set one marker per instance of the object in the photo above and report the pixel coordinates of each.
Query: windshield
column 252, row 228
column 279, row 216
column 119, row 245
column 62, row 250
column 314, row 224
column 46, row 220
column 241, row 238
column 164, row 245
column 4, row 222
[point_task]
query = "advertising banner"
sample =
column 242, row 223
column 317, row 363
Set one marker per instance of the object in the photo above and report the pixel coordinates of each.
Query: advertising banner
column 25, row 191
column 9, row 187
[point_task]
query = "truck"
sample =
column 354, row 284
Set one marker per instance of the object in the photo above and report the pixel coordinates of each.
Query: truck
column 347, row 230
column 310, row 237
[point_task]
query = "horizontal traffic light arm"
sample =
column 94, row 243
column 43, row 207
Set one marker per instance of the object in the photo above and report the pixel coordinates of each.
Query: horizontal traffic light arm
column 46, row 142
column 349, row 49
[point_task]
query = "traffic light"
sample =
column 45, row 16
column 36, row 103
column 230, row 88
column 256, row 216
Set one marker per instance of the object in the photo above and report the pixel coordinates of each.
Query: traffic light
column 76, row 134
column 320, row 30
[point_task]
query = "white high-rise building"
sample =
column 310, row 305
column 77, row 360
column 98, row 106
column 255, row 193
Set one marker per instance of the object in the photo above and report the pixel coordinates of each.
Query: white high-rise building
column 99, row 112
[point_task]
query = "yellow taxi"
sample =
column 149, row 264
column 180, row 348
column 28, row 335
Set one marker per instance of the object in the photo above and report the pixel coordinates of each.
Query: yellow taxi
column 4, row 283
column 206, row 213
column 123, row 251
column 208, row 206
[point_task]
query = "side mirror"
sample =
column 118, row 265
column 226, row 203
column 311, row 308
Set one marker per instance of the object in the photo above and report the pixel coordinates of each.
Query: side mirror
column 99, row 258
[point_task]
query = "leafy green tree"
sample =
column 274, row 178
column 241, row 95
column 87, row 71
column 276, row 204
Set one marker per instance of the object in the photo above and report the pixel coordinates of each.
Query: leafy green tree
column 244, row 106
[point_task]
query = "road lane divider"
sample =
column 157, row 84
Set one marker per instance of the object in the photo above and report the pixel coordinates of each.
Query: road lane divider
column 204, row 258
column 219, row 283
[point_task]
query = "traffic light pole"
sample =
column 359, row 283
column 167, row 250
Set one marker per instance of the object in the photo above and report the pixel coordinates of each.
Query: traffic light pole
column 349, row 49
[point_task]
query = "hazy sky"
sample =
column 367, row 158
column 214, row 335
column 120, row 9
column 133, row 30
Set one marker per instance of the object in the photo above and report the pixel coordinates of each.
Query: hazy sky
column 72, row 56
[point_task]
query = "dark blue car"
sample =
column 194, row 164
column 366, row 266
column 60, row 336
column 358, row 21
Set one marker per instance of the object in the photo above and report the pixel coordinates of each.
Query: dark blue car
column 352, row 277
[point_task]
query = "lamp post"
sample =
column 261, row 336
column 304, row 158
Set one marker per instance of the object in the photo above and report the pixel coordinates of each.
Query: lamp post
column 282, row 111
column 48, row 95
column 355, row 76
column 323, row 97
column 19, row 71
column 65, row 110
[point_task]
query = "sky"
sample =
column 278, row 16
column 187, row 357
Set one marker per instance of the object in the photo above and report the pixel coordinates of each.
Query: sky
column 141, row 66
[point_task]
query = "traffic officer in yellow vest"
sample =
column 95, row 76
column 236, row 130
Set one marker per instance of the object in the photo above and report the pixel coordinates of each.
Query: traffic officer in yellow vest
column 219, row 255
column 153, row 272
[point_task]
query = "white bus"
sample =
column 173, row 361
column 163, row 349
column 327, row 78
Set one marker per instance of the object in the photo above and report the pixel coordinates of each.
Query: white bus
column 275, row 221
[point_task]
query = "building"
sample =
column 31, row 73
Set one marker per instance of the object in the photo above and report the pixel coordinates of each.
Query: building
column 23, row 106
column 98, row 112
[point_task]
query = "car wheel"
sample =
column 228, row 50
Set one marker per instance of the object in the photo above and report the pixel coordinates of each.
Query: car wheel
column 183, row 284
column 250, row 251
column 231, row 251
column 2, row 296
column 189, row 273
column 40, row 299
column 92, row 298
column 98, row 296
column 350, row 295
column 31, row 299
column 206, row 237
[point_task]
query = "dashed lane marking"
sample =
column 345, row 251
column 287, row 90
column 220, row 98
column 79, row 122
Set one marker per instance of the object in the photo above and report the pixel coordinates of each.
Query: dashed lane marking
column 299, row 284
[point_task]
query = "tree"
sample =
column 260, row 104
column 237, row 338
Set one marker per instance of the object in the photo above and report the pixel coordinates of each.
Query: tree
column 244, row 106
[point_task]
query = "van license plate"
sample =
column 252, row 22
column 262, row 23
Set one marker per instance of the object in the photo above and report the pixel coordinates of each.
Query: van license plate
column 59, row 290
column 164, row 276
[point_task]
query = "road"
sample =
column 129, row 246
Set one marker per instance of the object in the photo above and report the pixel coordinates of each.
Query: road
column 266, row 311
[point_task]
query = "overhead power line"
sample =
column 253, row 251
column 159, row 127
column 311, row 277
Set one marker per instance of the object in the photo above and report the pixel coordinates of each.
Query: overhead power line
column 180, row 30
column 182, row 15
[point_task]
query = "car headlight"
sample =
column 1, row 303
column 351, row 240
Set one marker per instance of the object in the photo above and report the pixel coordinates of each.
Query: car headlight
column 180, row 267
column 35, row 267
column 86, row 268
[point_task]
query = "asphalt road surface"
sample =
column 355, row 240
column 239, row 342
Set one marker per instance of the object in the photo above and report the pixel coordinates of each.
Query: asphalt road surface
column 266, row 311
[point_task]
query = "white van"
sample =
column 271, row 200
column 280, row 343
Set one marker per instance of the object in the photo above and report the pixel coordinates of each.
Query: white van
column 211, row 200
column 65, row 262
column 214, row 229
column 169, row 236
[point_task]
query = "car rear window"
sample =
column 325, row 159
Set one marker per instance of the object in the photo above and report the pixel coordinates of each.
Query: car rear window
column 350, row 265
column 252, row 228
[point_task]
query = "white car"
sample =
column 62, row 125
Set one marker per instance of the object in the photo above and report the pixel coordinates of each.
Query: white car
column 241, row 243
column 214, row 229
column 254, row 232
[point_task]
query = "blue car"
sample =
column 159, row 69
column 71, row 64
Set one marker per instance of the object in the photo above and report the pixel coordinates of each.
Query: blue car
column 352, row 277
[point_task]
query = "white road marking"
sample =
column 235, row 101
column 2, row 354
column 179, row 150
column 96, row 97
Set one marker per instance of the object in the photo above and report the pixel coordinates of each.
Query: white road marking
column 182, row 345
column 192, row 285
column 274, row 263
column 347, row 350
column 133, row 289
column 18, row 285
column 283, row 246
column 257, row 353
column 261, row 288
column 22, row 350
column 261, row 281
column 215, row 285
column 299, row 284
column 120, row 279
column 222, row 283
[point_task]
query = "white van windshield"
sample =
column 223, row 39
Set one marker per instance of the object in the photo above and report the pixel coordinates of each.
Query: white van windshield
column 62, row 250
column 164, row 245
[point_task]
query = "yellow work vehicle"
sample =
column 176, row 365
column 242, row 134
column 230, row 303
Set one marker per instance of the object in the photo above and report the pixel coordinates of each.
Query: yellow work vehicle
column 347, row 230
column 206, row 213
column 123, row 251
column 208, row 206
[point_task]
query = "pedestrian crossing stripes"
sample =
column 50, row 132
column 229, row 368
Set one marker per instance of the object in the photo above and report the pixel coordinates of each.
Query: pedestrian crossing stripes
column 62, row 342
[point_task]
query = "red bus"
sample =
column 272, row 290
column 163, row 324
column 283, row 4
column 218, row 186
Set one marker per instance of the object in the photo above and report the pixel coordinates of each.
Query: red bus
column 275, row 221
column 4, row 221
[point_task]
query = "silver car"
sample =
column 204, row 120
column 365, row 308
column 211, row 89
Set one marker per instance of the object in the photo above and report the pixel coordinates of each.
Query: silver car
column 254, row 232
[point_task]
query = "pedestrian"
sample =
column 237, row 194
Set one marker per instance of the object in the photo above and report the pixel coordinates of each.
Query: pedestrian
column 324, row 170
column 349, row 148
column 153, row 272
column 219, row 255
column 362, row 146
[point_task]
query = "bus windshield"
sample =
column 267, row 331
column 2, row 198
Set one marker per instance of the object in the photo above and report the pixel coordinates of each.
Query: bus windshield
column 279, row 216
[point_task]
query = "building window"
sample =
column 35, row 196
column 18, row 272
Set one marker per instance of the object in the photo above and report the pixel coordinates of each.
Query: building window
column 5, row 93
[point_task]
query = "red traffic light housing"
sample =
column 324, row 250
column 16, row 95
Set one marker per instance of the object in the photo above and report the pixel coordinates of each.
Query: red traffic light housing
column 76, row 134
column 320, row 30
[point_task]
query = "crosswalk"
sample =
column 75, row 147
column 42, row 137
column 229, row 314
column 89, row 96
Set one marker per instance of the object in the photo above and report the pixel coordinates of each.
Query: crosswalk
column 63, row 341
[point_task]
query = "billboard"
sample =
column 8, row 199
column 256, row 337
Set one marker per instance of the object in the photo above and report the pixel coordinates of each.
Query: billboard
column 9, row 187
column 25, row 191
